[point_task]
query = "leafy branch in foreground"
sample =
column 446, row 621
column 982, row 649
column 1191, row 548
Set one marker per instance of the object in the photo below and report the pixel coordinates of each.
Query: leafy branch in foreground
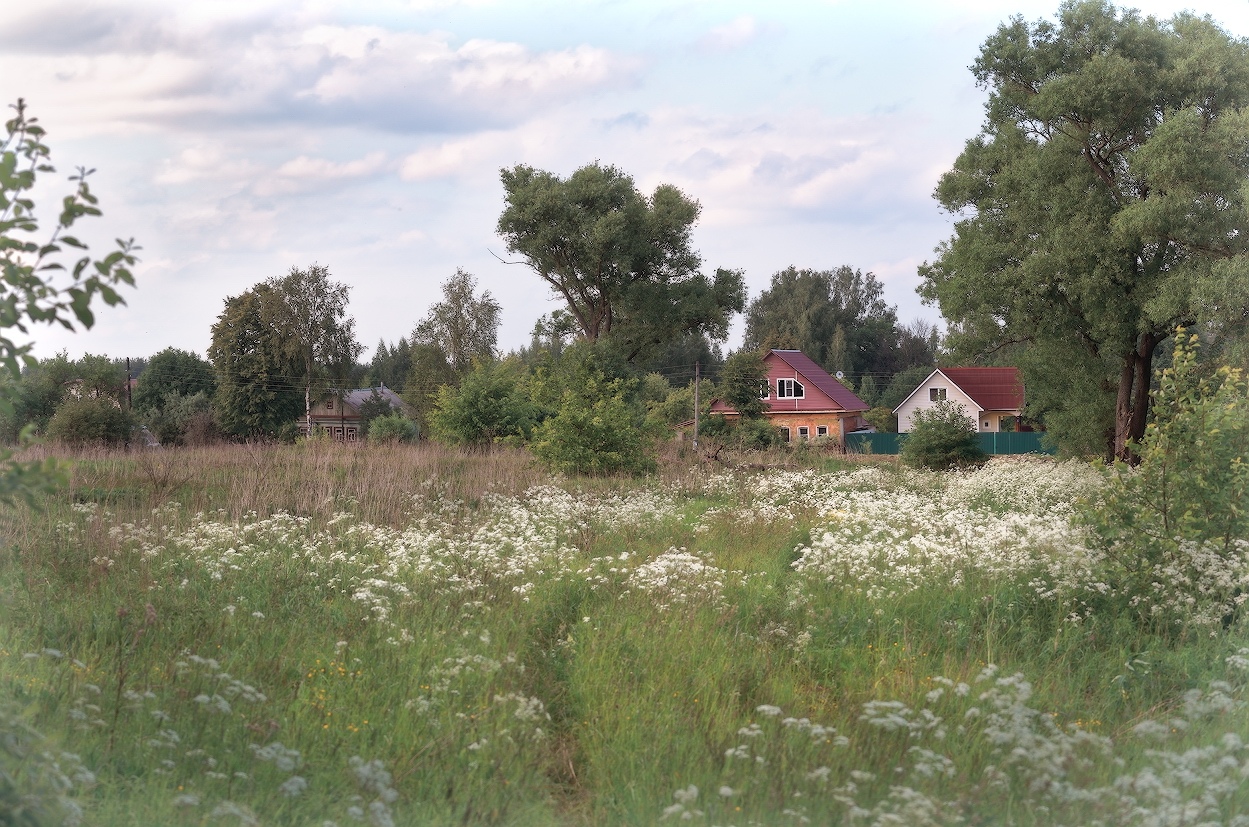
column 28, row 293
column 1176, row 529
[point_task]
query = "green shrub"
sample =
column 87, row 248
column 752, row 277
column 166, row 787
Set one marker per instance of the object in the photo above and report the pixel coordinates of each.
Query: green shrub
column 178, row 415
column 594, row 436
column 90, row 421
column 488, row 405
column 1176, row 528
column 391, row 428
column 941, row 438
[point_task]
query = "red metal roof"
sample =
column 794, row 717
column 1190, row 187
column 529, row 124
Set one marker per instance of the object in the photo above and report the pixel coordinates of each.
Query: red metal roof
column 993, row 389
column 817, row 376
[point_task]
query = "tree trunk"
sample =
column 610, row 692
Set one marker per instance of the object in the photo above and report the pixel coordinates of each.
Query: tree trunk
column 1132, row 401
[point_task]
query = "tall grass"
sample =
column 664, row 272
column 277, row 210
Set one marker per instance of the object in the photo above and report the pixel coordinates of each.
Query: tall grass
column 294, row 635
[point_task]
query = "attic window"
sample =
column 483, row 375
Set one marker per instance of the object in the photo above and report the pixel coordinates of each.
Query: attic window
column 789, row 389
column 936, row 394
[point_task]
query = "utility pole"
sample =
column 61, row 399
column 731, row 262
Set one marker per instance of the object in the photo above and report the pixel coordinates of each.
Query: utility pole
column 696, row 384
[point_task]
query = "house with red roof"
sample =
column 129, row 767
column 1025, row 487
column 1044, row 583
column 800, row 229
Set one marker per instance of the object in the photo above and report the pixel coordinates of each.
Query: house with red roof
column 988, row 396
column 804, row 402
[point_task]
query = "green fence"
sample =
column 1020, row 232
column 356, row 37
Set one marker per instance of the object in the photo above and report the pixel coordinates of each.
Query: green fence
column 1028, row 442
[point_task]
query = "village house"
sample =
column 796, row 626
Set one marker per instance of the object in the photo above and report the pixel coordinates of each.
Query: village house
column 804, row 402
column 340, row 418
column 991, row 397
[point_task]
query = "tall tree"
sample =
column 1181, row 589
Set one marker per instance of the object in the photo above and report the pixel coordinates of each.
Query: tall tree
column 620, row 260
column 464, row 325
column 313, row 327
column 256, row 385
column 173, row 371
column 1103, row 195
column 837, row 317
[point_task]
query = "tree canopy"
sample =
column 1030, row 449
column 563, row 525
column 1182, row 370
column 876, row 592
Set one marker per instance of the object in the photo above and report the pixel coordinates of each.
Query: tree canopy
column 620, row 260
column 313, row 328
column 256, row 390
column 837, row 317
column 173, row 371
column 463, row 325
column 1101, row 206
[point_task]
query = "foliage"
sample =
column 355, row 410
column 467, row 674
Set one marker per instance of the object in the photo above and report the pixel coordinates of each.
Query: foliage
column 256, row 393
column 942, row 437
column 676, row 360
column 488, row 406
column 884, row 420
column 600, row 651
column 375, row 406
column 37, row 781
column 173, row 371
column 1176, row 528
column 87, row 420
column 464, row 326
column 182, row 419
column 390, row 365
column 742, row 383
column 837, row 317
column 312, row 328
column 29, row 292
column 596, row 430
column 429, row 373
column 620, row 260
column 1099, row 206
column 391, row 428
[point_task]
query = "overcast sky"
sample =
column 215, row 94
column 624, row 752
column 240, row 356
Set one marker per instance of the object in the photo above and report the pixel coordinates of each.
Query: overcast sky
column 235, row 140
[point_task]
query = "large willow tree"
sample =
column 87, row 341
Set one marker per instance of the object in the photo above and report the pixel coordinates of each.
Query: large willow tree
column 1101, row 206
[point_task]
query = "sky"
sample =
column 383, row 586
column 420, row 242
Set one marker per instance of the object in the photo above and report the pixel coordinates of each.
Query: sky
column 237, row 139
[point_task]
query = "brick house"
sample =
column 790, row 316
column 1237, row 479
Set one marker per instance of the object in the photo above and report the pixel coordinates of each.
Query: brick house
column 804, row 402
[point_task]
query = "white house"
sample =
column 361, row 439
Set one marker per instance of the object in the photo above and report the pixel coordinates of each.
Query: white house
column 988, row 395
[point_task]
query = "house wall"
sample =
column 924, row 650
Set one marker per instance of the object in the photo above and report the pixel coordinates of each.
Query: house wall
column 813, row 400
column 342, row 421
column 920, row 401
column 812, row 421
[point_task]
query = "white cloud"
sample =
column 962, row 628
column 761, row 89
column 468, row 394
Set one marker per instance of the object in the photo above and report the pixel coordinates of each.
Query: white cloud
column 732, row 35
column 164, row 69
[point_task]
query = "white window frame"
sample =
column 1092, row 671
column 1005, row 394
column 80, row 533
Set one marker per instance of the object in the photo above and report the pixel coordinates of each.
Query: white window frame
column 821, row 430
column 790, row 389
column 804, row 433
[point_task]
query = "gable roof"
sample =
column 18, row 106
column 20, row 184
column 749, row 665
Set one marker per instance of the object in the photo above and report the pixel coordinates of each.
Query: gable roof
column 816, row 375
column 993, row 389
column 356, row 398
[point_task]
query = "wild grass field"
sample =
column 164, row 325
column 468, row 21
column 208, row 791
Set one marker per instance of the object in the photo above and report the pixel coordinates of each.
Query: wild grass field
column 323, row 634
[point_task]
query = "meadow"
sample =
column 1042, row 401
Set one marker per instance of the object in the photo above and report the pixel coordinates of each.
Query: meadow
column 335, row 635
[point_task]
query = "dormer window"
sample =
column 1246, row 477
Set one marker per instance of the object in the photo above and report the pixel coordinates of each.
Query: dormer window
column 789, row 389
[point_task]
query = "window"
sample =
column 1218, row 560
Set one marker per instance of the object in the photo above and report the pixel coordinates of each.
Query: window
column 789, row 389
column 804, row 433
column 821, row 430
column 765, row 390
column 329, row 404
column 936, row 394
column 784, row 433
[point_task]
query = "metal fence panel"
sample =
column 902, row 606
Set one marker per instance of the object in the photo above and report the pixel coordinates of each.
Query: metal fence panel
column 991, row 443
